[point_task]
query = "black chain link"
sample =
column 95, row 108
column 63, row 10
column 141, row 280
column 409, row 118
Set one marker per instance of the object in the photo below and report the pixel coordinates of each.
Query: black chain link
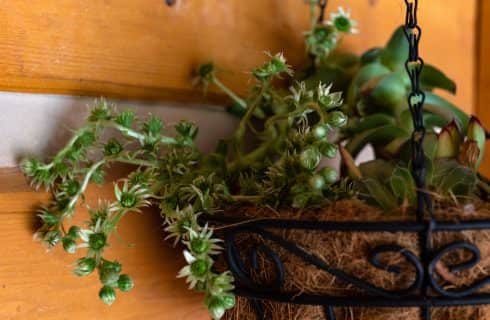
column 322, row 4
column 416, row 99
column 414, row 66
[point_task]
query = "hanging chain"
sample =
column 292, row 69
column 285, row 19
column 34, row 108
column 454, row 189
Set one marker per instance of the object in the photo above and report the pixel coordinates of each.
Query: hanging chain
column 322, row 4
column 416, row 99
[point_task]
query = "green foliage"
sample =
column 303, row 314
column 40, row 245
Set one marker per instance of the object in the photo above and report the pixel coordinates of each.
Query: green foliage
column 273, row 158
column 452, row 174
column 376, row 87
column 281, row 163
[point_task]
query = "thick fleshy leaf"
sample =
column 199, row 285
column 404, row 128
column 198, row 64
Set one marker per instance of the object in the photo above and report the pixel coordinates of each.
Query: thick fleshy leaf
column 440, row 106
column 446, row 146
column 377, row 136
column 430, row 148
column 367, row 72
column 358, row 125
column 377, row 169
column 403, row 185
column 371, row 55
column 477, row 133
column 380, row 194
column 393, row 148
column 430, row 145
column 433, row 120
column 432, row 77
column 344, row 60
column 387, row 92
column 334, row 75
column 453, row 178
column 395, row 53
column 349, row 164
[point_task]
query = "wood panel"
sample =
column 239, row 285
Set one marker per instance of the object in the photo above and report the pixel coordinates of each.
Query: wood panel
column 144, row 49
column 35, row 284
column 483, row 86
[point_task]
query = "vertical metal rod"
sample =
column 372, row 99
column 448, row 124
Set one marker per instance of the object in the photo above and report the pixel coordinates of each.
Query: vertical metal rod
column 329, row 312
column 416, row 99
column 323, row 5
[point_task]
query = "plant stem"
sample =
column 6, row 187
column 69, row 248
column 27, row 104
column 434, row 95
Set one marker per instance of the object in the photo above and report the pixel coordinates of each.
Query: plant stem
column 245, row 197
column 230, row 93
column 68, row 146
column 242, row 127
column 252, row 156
column 137, row 162
column 139, row 136
column 84, row 185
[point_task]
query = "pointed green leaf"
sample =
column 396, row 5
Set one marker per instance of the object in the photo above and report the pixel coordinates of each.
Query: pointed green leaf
column 367, row 72
column 477, row 133
column 377, row 136
column 440, row 106
column 380, row 194
column 432, row 77
column 446, row 147
column 359, row 125
column 371, row 55
column 377, row 169
column 403, row 185
column 395, row 53
column 387, row 92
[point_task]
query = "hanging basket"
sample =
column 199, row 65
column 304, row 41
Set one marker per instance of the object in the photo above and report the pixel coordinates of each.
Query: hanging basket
column 353, row 261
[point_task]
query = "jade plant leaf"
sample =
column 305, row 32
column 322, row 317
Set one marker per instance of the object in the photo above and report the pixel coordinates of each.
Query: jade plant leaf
column 432, row 77
column 440, row 106
column 377, row 136
column 395, row 53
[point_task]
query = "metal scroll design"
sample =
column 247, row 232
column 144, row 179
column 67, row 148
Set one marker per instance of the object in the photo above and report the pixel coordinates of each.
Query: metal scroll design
column 425, row 291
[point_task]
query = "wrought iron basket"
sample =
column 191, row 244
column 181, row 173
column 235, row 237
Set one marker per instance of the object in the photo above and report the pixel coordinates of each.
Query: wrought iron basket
column 425, row 292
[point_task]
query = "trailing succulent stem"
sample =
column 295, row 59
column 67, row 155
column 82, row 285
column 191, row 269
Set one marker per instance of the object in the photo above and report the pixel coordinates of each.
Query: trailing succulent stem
column 273, row 158
column 177, row 183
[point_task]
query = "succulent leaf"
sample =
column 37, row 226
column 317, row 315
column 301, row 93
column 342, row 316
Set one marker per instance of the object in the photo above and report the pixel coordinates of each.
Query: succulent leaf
column 380, row 194
column 477, row 133
column 358, row 125
column 403, row 185
column 447, row 147
column 431, row 77
column 377, row 136
column 349, row 163
column 395, row 53
column 440, row 106
column 365, row 73
column 387, row 92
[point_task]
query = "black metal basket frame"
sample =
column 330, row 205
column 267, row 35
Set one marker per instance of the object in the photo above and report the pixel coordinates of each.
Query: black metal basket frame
column 425, row 292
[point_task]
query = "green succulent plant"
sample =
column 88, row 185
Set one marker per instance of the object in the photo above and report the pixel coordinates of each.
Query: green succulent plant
column 377, row 101
column 273, row 158
column 376, row 87
column 452, row 172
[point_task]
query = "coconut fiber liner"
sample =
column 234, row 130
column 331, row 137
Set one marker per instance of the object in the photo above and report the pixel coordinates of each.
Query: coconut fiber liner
column 349, row 251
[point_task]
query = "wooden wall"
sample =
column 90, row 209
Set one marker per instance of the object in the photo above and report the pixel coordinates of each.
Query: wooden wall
column 143, row 49
column 39, row 285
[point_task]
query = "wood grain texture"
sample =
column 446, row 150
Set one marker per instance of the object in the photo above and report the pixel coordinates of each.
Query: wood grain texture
column 483, row 76
column 144, row 49
column 38, row 285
